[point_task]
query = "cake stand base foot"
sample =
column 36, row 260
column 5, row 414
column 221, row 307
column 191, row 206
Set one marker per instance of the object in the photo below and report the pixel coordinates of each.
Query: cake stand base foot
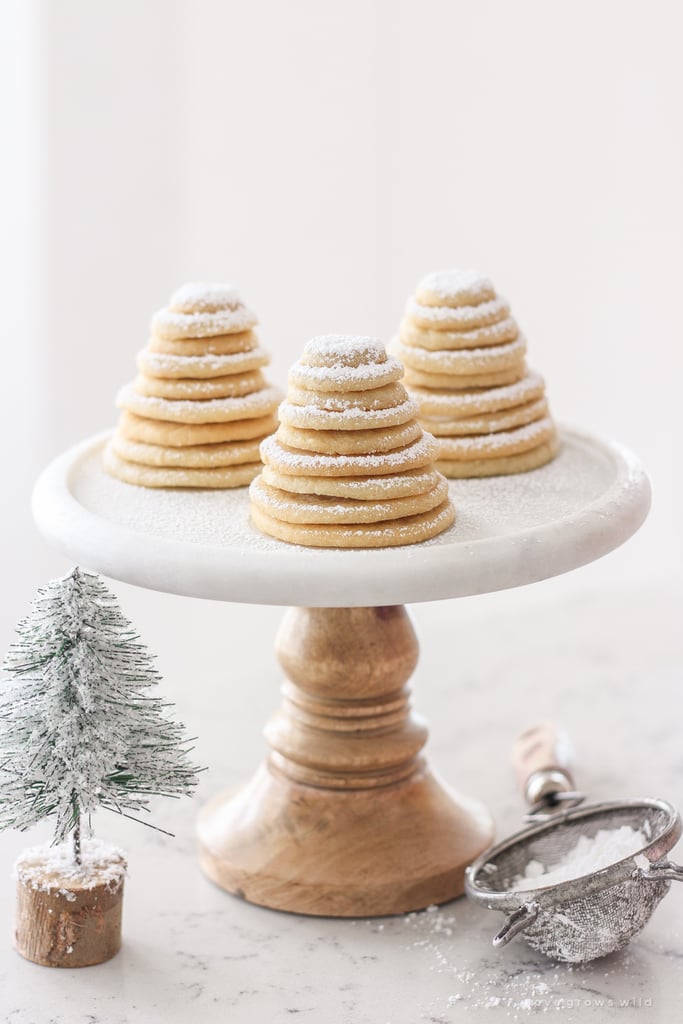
column 361, row 853
column 345, row 818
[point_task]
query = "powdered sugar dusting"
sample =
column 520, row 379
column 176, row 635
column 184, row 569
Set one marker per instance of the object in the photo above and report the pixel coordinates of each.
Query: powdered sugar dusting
column 276, row 454
column 491, row 334
column 484, row 399
column 450, row 284
column 458, row 316
column 211, row 410
column 487, row 507
column 460, row 360
column 452, row 447
column 351, row 417
column 169, row 324
column 203, row 295
column 347, row 377
column 344, row 350
column 160, row 364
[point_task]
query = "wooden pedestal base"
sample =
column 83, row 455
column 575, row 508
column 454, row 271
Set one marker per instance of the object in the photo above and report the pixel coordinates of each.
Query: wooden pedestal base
column 345, row 819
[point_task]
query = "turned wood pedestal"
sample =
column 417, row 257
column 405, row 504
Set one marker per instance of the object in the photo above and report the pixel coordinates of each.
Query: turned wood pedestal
column 345, row 817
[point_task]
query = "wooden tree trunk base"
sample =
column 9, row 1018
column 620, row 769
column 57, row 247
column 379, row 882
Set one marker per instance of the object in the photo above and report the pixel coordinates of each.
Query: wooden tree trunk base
column 65, row 920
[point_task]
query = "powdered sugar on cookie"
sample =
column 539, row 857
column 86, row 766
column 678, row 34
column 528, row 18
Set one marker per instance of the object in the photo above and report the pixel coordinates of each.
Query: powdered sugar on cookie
column 204, row 297
column 455, row 287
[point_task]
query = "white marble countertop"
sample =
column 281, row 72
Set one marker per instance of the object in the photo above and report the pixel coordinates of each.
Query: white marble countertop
column 598, row 651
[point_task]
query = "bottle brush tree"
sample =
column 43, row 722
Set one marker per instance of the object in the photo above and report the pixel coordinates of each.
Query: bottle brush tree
column 79, row 728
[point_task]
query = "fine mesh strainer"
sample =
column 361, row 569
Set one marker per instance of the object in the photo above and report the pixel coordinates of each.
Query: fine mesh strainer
column 592, row 915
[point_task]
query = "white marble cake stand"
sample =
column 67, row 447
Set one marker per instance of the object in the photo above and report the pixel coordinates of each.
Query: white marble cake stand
column 345, row 818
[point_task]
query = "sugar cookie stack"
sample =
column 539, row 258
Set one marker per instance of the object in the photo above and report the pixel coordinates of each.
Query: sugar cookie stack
column 465, row 368
column 349, row 466
column 200, row 405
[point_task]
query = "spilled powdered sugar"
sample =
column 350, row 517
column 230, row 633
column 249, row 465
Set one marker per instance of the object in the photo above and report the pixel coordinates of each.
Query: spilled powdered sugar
column 448, row 950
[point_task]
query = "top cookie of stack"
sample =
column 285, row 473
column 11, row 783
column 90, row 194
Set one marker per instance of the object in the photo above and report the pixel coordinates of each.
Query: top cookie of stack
column 465, row 367
column 200, row 405
column 349, row 466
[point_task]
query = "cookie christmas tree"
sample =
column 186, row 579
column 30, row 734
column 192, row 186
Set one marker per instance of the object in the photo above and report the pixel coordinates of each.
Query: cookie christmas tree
column 200, row 405
column 465, row 367
column 78, row 732
column 349, row 466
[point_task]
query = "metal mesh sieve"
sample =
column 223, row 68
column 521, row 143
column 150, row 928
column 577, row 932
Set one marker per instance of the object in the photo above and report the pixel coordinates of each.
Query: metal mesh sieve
column 595, row 914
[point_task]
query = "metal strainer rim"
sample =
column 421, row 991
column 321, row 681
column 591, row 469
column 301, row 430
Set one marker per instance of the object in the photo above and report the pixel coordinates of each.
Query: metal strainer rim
column 551, row 895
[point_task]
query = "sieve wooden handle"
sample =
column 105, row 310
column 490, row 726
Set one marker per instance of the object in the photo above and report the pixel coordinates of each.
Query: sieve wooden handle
column 541, row 756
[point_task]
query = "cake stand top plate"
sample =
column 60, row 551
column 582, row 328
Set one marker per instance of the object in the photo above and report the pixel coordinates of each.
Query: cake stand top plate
column 509, row 531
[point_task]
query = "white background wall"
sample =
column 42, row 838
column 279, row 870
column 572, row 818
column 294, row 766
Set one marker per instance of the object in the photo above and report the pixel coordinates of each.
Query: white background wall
column 325, row 155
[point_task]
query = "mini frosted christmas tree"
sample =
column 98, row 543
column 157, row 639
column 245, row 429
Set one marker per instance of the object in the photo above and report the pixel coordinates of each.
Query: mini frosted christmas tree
column 79, row 731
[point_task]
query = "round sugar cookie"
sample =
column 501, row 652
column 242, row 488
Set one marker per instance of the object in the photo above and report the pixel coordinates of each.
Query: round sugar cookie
column 211, row 410
column 487, row 422
column 345, row 378
column 317, row 509
column 448, row 382
column 454, row 288
column 386, row 397
column 157, row 364
column 465, row 361
column 204, row 297
column 288, row 460
column 479, row 337
column 200, row 456
column 155, row 476
column 311, row 417
column 350, row 442
column 219, row 345
column 179, row 435
column 199, row 390
column 469, row 402
column 503, row 465
column 368, row 488
column 337, row 350
column 168, row 324
column 392, row 533
column 458, row 318
column 491, row 446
